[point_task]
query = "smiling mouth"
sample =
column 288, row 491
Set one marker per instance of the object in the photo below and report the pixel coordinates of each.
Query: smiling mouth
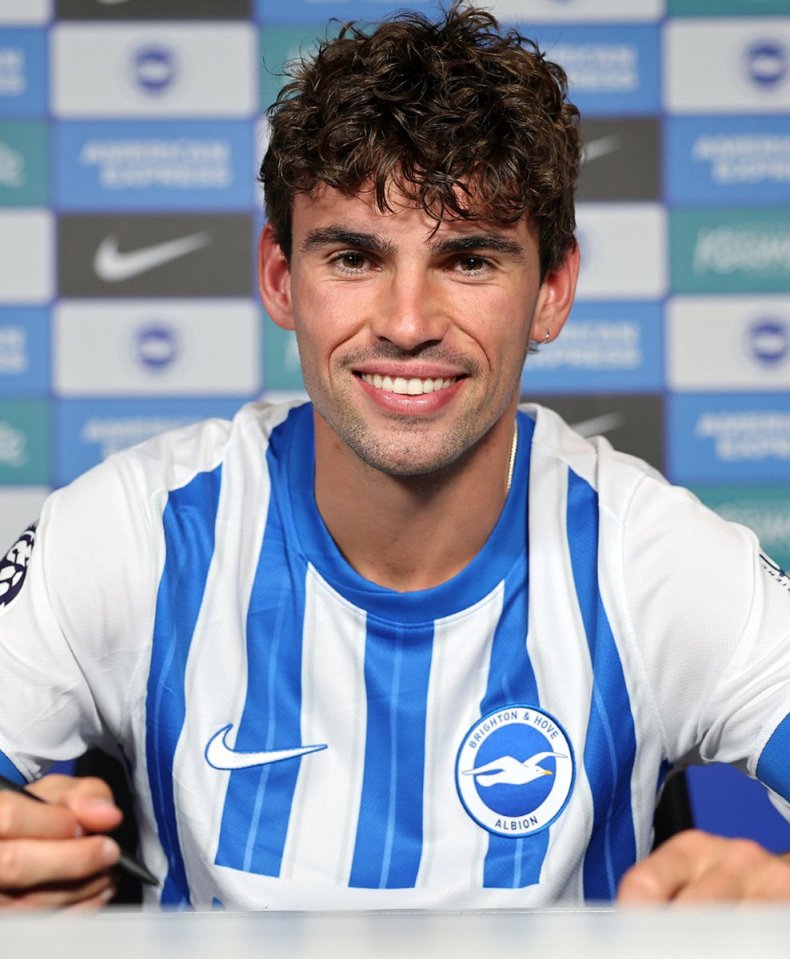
column 411, row 386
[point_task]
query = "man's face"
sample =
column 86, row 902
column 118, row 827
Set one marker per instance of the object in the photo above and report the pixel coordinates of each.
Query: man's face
column 411, row 338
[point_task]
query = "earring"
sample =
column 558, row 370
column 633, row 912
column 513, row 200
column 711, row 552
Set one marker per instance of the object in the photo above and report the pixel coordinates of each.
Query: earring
column 547, row 336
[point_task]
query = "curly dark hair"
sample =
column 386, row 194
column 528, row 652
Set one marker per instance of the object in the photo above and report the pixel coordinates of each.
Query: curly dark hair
column 467, row 120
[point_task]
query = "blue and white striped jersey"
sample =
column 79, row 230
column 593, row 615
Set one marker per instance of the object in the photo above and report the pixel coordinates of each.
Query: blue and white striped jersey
column 302, row 738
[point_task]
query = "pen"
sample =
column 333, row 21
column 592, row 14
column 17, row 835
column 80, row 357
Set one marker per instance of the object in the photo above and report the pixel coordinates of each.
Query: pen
column 127, row 863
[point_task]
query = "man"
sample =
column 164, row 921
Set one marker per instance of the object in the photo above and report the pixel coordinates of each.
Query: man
column 406, row 646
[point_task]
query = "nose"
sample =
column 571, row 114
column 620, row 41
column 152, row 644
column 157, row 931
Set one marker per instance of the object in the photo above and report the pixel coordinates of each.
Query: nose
column 409, row 311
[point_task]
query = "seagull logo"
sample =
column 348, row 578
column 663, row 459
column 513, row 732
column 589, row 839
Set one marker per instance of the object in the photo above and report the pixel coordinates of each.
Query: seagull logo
column 220, row 755
column 510, row 796
column 511, row 772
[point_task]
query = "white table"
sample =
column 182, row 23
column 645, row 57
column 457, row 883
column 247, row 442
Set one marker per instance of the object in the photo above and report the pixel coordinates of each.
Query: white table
column 722, row 933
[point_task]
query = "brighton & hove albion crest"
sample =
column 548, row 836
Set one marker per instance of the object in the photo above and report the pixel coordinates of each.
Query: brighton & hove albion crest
column 515, row 771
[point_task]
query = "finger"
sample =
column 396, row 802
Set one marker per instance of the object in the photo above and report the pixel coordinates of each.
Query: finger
column 89, row 799
column 20, row 818
column 25, row 863
column 90, row 894
column 673, row 866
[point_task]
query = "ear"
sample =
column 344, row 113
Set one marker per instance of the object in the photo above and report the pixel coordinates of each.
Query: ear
column 274, row 280
column 555, row 298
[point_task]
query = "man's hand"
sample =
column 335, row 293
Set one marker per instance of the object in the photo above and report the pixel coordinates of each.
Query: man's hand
column 696, row 867
column 47, row 857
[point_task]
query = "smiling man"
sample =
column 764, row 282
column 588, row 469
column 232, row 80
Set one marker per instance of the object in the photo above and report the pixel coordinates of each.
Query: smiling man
column 408, row 644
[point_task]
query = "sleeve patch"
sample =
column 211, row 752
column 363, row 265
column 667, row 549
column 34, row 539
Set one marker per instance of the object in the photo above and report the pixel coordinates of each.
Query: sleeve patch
column 775, row 572
column 14, row 565
column 773, row 767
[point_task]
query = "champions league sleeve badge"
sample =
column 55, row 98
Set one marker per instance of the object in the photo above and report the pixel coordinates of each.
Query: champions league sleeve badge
column 13, row 566
column 515, row 771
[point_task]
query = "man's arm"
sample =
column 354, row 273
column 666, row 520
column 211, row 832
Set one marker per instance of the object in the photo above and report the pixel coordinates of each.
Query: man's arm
column 48, row 857
column 697, row 867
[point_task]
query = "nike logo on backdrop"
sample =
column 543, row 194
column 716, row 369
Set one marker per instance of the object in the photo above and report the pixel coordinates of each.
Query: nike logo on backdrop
column 113, row 266
column 222, row 756
column 598, row 425
column 601, row 147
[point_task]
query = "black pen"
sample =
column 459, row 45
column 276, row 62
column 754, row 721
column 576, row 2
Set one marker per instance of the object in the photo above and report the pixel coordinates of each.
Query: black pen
column 127, row 863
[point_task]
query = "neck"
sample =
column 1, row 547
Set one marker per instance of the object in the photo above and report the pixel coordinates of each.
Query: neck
column 413, row 532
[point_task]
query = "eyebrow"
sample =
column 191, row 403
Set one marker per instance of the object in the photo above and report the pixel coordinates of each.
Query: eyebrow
column 331, row 235
column 477, row 241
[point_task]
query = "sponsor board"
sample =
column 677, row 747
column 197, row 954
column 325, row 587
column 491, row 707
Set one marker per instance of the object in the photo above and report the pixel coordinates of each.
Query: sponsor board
column 24, row 442
column 612, row 70
column 612, row 346
column 632, row 423
column 88, row 431
column 26, row 256
column 746, row 66
column 623, row 251
column 727, row 160
column 318, row 12
column 150, row 165
column 728, row 343
column 24, row 351
column 156, row 70
column 23, row 72
column 19, row 507
column 25, row 11
column 156, row 348
column 718, row 8
column 728, row 438
column 23, row 163
column 152, row 9
column 155, row 255
column 282, row 371
column 730, row 251
column 764, row 509
column 620, row 160
column 586, row 11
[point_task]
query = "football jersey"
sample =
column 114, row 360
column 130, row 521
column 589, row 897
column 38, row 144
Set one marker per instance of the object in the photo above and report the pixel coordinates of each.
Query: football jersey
column 299, row 737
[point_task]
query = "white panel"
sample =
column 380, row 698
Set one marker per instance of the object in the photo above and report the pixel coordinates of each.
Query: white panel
column 156, row 347
column 25, row 11
column 728, row 343
column 19, row 507
column 27, row 256
column 161, row 70
column 560, row 11
column 623, row 249
column 727, row 65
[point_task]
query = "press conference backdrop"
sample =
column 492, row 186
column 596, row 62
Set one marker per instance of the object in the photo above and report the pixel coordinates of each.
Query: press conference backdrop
column 130, row 135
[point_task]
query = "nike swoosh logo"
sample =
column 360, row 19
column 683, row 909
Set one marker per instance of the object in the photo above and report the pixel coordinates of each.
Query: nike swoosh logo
column 598, row 425
column 112, row 266
column 222, row 756
column 601, row 147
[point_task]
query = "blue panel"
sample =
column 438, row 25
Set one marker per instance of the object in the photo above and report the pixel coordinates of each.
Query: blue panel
column 611, row 739
column 154, row 165
column 607, row 347
column 727, row 160
column 87, row 431
column 24, row 73
column 728, row 438
column 24, row 351
column 613, row 69
column 188, row 521
column 727, row 803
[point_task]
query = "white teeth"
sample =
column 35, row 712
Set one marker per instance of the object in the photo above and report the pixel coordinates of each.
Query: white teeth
column 411, row 387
